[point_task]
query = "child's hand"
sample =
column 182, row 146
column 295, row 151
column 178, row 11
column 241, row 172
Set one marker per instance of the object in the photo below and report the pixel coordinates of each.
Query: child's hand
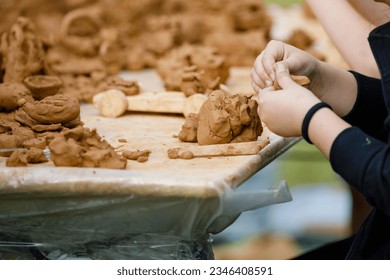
column 297, row 61
column 283, row 110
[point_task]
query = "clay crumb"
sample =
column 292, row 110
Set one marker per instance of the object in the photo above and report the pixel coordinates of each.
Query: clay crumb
column 122, row 140
column 138, row 155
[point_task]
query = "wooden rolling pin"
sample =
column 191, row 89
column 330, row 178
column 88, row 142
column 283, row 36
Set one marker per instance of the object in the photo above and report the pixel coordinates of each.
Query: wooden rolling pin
column 231, row 149
column 114, row 103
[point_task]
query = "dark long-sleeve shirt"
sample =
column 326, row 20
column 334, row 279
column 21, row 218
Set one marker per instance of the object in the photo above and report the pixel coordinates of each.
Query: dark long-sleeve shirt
column 361, row 154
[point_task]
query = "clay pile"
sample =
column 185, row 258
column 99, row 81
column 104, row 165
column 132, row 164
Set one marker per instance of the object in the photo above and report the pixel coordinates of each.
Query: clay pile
column 193, row 69
column 82, row 147
column 31, row 125
column 223, row 119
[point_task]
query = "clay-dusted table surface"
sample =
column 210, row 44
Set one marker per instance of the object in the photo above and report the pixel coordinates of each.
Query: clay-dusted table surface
column 159, row 176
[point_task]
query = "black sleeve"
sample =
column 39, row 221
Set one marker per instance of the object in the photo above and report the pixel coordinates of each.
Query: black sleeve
column 364, row 162
column 369, row 111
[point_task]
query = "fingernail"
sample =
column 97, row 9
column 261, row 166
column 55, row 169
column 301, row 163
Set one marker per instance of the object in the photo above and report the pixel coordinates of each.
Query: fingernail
column 281, row 67
column 268, row 83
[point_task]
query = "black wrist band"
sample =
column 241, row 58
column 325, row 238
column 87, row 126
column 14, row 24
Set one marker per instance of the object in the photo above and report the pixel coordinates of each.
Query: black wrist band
column 309, row 115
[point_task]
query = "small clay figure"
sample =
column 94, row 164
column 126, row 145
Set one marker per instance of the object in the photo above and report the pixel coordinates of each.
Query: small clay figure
column 22, row 51
column 52, row 109
column 42, row 86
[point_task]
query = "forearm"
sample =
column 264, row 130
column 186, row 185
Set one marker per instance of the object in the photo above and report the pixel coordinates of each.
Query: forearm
column 348, row 30
column 374, row 12
column 338, row 87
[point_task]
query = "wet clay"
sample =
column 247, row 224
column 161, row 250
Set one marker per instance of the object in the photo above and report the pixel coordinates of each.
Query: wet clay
column 13, row 135
column 194, row 81
column 224, row 119
column 52, row 109
column 183, row 63
column 42, row 86
column 189, row 129
column 82, row 147
column 10, row 93
column 24, row 157
column 22, row 52
column 139, row 155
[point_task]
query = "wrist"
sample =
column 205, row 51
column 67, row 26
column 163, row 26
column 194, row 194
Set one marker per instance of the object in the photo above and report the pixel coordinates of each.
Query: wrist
column 308, row 118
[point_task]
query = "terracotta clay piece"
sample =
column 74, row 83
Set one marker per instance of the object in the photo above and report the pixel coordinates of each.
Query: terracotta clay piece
column 22, row 51
column 10, row 93
column 13, row 135
column 23, row 157
column 225, row 119
column 42, row 86
column 200, row 64
column 82, row 147
column 138, row 155
column 189, row 129
column 57, row 109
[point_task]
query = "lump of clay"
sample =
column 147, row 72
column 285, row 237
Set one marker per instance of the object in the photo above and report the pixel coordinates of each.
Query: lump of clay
column 127, row 87
column 10, row 93
column 139, row 155
column 82, row 147
column 300, row 39
column 23, row 157
column 53, row 109
column 189, row 129
column 249, row 14
column 207, row 60
column 13, row 135
column 224, row 118
column 194, row 81
column 22, row 52
column 80, row 31
column 42, row 86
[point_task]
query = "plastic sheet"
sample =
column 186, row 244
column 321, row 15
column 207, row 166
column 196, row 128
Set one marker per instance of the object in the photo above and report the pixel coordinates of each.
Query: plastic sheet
column 53, row 226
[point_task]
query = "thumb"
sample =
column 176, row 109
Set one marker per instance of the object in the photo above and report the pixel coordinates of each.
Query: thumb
column 283, row 75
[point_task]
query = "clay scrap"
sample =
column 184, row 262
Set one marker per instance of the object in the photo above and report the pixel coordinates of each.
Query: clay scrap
column 82, row 147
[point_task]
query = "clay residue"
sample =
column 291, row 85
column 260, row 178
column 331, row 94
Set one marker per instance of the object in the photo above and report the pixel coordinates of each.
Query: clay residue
column 138, row 155
column 224, row 119
column 82, row 147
